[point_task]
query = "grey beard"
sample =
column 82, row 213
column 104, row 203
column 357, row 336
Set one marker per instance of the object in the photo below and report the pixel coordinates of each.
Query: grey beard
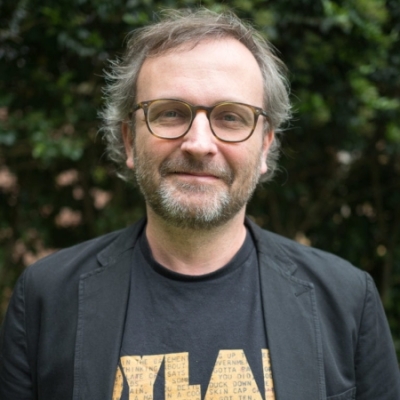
column 194, row 217
column 166, row 203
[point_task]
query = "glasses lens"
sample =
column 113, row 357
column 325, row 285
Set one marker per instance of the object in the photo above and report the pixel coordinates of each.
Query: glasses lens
column 168, row 118
column 232, row 122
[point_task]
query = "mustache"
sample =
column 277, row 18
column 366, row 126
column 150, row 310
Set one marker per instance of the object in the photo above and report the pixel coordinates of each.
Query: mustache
column 192, row 166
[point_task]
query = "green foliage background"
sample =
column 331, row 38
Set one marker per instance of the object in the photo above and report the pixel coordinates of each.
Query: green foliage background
column 340, row 180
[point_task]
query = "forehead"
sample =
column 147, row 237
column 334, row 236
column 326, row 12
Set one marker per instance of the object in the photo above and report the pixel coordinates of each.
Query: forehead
column 207, row 72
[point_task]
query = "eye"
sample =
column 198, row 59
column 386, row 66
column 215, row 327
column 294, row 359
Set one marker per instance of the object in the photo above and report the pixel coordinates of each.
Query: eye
column 230, row 116
column 169, row 114
column 166, row 112
column 228, row 119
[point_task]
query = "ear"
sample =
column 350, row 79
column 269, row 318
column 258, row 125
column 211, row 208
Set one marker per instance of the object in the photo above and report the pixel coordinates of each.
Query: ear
column 127, row 137
column 267, row 141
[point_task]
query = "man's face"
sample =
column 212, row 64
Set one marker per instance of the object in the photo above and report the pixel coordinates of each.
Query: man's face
column 198, row 181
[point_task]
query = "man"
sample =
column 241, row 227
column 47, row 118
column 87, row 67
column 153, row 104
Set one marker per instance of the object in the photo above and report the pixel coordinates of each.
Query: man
column 196, row 302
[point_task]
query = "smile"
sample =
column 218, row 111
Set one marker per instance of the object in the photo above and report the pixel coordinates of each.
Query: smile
column 197, row 176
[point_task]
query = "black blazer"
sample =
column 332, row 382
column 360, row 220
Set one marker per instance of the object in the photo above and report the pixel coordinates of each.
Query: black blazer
column 327, row 333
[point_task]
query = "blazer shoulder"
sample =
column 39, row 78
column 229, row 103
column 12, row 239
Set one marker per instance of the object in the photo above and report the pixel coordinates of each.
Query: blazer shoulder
column 309, row 263
column 69, row 263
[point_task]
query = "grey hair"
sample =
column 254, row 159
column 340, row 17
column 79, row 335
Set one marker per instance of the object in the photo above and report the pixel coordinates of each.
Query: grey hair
column 176, row 29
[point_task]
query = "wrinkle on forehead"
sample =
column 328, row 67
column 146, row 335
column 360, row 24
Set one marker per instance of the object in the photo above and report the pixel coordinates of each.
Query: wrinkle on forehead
column 225, row 67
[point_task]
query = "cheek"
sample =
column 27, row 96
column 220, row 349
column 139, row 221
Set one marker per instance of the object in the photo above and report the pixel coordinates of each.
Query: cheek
column 151, row 151
column 250, row 155
column 242, row 161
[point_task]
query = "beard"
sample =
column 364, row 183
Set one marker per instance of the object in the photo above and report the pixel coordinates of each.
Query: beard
column 200, row 206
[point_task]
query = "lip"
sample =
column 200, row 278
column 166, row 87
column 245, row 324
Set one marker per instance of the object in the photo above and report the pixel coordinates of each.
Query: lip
column 195, row 175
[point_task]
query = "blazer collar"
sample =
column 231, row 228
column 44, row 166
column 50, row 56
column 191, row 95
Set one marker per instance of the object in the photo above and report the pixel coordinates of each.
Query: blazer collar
column 124, row 242
column 291, row 321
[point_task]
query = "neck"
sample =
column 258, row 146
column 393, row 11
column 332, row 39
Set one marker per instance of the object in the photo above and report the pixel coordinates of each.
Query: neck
column 192, row 251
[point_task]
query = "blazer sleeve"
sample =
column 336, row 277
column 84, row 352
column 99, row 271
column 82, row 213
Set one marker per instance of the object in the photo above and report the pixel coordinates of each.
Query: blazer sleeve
column 15, row 371
column 377, row 370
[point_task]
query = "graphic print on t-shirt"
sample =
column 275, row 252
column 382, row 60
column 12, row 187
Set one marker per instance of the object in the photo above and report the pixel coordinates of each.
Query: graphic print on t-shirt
column 194, row 337
column 231, row 379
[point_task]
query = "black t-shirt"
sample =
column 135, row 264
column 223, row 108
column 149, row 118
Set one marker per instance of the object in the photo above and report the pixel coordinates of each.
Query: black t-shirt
column 194, row 337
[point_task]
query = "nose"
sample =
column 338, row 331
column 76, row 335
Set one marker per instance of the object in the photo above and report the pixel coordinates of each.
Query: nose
column 200, row 141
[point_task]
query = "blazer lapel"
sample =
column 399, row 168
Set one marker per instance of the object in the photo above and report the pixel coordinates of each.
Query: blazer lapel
column 103, row 298
column 292, row 325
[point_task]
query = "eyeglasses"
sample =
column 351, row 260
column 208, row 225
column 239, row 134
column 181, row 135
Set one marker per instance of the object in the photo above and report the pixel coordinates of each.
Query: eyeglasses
column 172, row 119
